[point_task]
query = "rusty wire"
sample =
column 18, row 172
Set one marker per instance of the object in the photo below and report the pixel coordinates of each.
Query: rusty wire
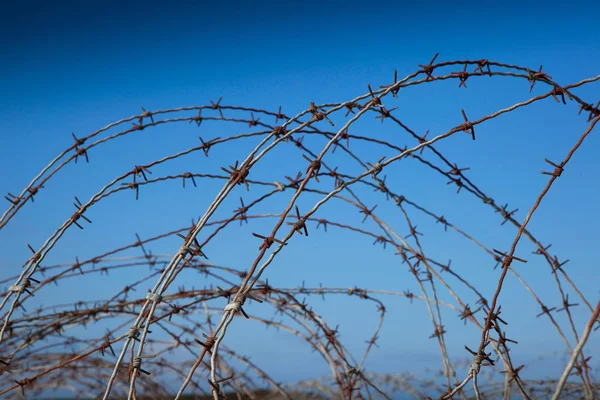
column 33, row 343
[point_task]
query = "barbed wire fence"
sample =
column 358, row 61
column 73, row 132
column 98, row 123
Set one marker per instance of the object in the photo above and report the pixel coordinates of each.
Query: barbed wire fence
column 40, row 354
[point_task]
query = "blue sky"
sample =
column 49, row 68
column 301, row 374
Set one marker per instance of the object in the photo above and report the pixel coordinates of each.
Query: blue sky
column 74, row 67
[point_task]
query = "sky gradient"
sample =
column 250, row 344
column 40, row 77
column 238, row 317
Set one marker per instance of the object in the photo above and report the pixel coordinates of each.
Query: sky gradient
column 75, row 67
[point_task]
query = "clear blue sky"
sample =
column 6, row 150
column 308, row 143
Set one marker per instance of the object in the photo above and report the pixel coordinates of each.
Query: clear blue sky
column 75, row 67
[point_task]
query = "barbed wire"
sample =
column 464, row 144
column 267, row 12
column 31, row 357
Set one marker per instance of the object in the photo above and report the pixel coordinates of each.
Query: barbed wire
column 33, row 343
